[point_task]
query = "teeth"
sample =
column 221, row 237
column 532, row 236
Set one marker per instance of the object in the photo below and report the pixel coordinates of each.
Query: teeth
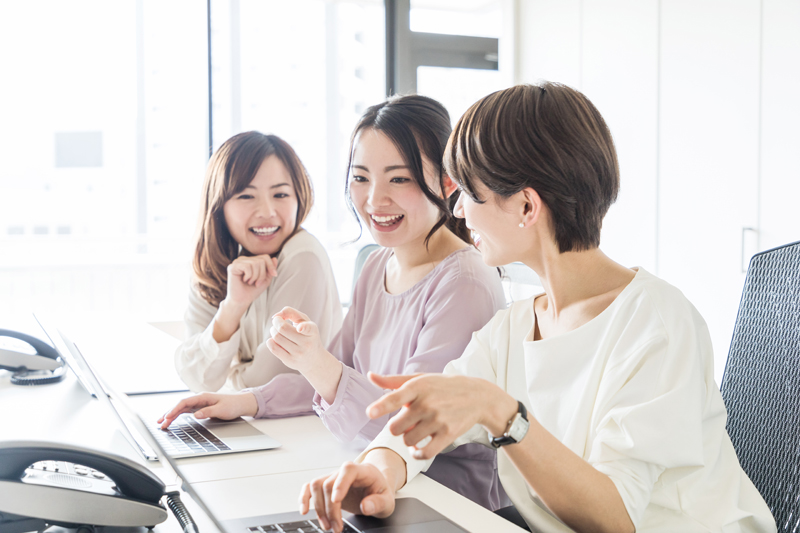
column 265, row 231
column 386, row 219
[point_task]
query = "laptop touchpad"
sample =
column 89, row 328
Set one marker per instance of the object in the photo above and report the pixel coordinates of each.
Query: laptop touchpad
column 438, row 526
column 227, row 429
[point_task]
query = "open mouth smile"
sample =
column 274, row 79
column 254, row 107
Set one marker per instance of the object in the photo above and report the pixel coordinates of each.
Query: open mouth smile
column 265, row 231
column 386, row 221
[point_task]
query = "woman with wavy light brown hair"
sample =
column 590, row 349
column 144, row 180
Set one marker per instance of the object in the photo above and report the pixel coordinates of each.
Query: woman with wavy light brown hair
column 252, row 258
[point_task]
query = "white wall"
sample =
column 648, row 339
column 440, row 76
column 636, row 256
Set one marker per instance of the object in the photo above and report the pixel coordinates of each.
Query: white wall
column 701, row 97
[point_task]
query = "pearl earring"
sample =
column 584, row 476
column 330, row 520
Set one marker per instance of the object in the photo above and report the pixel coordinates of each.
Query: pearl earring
column 521, row 224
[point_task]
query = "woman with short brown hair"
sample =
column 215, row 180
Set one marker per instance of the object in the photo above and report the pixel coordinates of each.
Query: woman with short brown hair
column 600, row 391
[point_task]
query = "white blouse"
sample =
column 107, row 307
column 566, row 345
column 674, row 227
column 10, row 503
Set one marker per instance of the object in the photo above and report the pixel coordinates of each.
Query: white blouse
column 304, row 281
column 632, row 392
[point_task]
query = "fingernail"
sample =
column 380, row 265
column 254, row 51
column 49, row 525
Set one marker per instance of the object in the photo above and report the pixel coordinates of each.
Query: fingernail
column 373, row 412
column 368, row 507
column 276, row 321
column 199, row 414
column 417, row 454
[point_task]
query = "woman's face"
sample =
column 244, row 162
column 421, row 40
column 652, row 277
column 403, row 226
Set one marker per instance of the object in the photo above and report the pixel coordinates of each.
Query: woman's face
column 385, row 194
column 495, row 230
column 262, row 216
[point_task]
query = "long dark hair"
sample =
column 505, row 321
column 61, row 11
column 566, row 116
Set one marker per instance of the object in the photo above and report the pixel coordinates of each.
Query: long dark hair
column 417, row 125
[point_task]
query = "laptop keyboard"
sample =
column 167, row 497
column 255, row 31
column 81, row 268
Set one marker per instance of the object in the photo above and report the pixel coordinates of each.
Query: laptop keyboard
column 187, row 436
column 306, row 526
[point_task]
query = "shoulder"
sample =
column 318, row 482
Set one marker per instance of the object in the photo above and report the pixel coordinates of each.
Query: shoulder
column 466, row 266
column 303, row 251
column 650, row 294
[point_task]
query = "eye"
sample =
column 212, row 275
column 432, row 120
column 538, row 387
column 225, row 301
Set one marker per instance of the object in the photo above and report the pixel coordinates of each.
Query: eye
column 281, row 195
column 360, row 179
column 245, row 196
column 400, row 180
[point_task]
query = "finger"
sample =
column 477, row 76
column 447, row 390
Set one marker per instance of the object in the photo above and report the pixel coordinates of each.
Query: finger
column 277, row 350
column 319, row 503
column 305, row 498
column 262, row 274
column 187, row 405
column 438, row 443
column 334, row 509
column 271, row 264
column 288, row 313
column 340, row 486
column 288, row 330
column 419, row 434
column 391, row 381
column 406, row 420
column 380, row 505
column 389, row 403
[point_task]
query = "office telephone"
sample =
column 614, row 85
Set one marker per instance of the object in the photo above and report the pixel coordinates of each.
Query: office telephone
column 44, row 483
column 31, row 361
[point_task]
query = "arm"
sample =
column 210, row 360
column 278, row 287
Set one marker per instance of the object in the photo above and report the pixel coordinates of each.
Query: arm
column 443, row 337
column 202, row 362
column 368, row 488
column 445, row 407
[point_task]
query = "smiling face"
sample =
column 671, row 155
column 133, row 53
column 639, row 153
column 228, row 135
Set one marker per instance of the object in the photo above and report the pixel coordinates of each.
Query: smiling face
column 385, row 194
column 262, row 216
column 495, row 230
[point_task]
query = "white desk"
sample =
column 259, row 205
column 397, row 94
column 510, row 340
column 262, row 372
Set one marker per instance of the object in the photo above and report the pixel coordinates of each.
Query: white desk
column 236, row 485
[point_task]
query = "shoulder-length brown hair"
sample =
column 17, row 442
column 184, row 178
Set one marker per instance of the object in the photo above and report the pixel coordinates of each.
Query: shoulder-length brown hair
column 232, row 167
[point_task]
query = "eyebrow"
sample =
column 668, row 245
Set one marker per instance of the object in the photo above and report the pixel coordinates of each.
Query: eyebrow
column 387, row 169
column 284, row 184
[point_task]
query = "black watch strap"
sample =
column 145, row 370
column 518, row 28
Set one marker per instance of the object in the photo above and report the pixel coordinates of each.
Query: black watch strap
column 506, row 439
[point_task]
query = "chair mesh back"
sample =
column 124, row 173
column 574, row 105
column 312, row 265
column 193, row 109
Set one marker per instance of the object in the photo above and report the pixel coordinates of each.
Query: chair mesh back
column 761, row 385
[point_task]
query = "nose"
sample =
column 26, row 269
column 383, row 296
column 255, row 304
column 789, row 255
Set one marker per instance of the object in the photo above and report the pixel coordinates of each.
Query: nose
column 266, row 208
column 458, row 210
column 377, row 194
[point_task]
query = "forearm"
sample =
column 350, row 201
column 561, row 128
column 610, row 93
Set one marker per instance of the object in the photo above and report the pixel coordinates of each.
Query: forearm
column 581, row 496
column 390, row 464
column 226, row 321
column 324, row 374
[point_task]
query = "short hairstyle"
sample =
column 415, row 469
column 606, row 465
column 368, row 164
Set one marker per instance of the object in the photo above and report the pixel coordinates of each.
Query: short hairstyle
column 548, row 137
column 416, row 125
column 232, row 167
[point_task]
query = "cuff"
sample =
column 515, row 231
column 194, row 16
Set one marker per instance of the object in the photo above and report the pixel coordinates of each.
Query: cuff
column 321, row 406
column 386, row 440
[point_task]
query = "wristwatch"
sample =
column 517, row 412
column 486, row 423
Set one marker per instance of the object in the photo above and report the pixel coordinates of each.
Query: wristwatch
column 515, row 430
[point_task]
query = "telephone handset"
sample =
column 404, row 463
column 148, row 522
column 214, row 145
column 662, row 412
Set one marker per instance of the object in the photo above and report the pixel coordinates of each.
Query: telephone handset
column 32, row 361
column 60, row 484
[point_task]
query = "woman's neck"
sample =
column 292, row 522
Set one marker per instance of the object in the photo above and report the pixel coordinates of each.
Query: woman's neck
column 414, row 260
column 578, row 285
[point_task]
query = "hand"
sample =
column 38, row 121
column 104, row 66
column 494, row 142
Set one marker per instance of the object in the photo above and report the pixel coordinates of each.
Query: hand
column 297, row 343
column 213, row 405
column 442, row 407
column 358, row 488
column 249, row 276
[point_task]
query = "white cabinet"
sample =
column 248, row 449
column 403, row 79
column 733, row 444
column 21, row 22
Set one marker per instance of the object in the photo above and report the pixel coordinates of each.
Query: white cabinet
column 701, row 97
column 708, row 160
column 780, row 125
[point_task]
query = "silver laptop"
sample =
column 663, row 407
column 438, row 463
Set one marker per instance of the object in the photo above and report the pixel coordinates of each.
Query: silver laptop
column 186, row 436
column 410, row 515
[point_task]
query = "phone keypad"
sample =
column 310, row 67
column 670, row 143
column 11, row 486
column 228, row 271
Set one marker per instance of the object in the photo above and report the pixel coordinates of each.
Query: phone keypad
column 64, row 467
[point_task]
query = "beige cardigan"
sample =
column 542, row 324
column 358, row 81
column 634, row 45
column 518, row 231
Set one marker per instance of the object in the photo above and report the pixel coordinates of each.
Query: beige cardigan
column 305, row 281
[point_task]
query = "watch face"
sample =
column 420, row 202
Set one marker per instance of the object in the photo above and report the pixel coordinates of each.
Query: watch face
column 518, row 428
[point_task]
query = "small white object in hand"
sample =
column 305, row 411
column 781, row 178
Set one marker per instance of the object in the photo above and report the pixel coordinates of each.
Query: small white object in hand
column 424, row 442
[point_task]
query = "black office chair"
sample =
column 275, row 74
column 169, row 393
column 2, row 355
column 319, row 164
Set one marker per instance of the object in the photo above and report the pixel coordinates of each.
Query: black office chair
column 761, row 384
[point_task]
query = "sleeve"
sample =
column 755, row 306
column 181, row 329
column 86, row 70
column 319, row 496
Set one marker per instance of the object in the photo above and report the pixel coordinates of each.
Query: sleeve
column 477, row 361
column 203, row 363
column 649, row 419
column 456, row 309
column 302, row 284
column 285, row 395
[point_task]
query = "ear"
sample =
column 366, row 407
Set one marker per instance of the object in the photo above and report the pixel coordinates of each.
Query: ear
column 532, row 206
column 449, row 185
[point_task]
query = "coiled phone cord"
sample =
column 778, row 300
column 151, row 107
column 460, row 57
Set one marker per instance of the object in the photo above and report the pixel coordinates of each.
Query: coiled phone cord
column 181, row 513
